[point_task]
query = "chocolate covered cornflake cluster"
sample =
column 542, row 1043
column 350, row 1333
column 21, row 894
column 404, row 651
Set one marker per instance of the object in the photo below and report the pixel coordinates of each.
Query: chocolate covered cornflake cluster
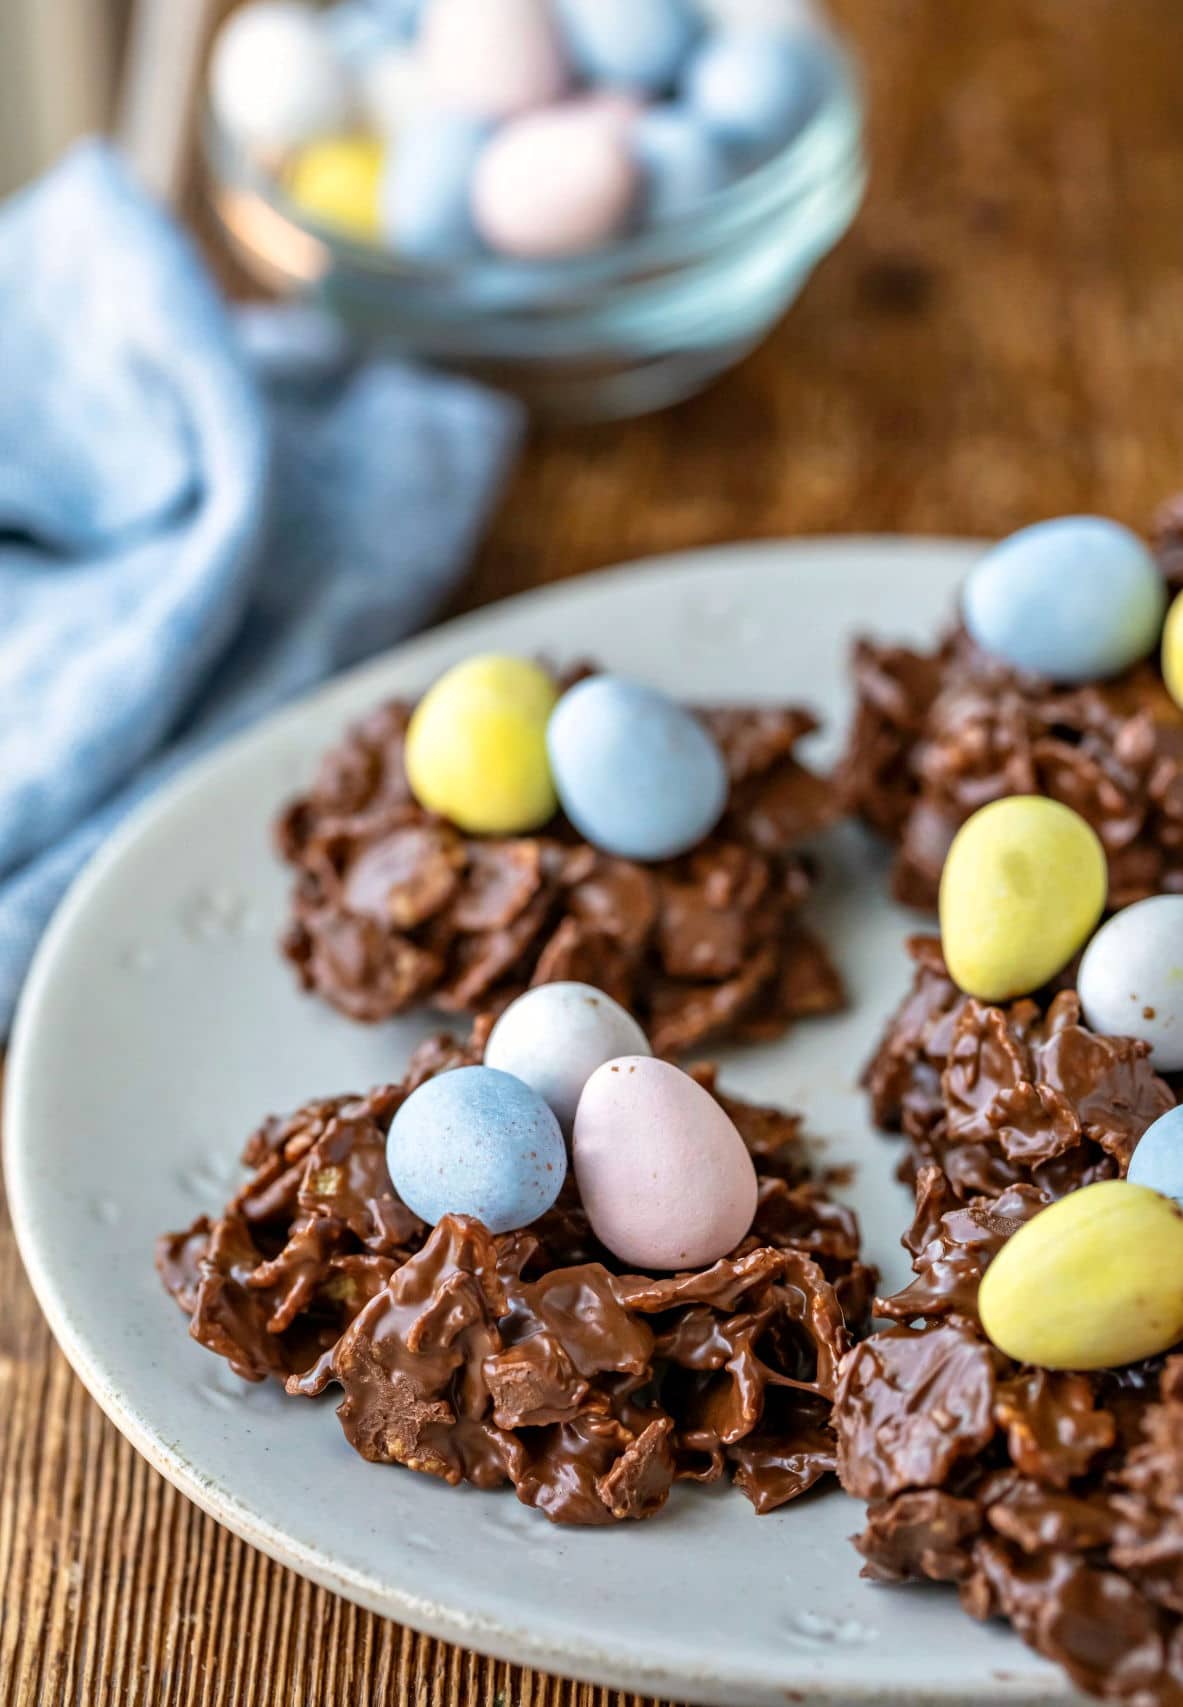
column 1051, row 1499
column 937, row 734
column 393, row 908
column 529, row 1358
column 1000, row 1096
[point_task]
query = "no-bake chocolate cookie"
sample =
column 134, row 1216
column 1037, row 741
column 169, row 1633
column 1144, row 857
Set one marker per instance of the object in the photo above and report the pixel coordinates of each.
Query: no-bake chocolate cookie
column 1053, row 1499
column 530, row 1358
column 393, row 908
column 939, row 733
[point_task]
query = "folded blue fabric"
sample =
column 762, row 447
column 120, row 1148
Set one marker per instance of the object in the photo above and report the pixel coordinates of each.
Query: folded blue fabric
column 200, row 515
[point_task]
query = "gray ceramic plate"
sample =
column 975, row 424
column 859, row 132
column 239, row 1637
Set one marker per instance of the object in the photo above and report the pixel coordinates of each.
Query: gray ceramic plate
column 159, row 1024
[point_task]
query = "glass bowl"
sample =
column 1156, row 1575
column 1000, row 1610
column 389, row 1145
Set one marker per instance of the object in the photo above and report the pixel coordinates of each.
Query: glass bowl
column 621, row 331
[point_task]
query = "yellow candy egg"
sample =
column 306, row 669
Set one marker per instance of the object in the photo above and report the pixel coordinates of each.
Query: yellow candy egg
column 1023, row 887
column 476, row 747
column 1172, row 650
column 336, row 180
column 1093, row 1282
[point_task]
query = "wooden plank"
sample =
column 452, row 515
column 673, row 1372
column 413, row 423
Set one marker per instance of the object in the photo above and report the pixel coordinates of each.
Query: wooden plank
column 1000, row 338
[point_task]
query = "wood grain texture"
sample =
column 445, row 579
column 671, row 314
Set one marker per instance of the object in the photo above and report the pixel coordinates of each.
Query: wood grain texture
column 1000, row 338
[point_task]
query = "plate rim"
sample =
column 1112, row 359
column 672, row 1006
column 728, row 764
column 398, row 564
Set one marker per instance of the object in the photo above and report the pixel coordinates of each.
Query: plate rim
column 613, row 1665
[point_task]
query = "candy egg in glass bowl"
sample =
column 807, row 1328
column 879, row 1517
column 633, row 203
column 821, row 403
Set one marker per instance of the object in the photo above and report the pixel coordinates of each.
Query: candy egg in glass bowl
column 599, row 205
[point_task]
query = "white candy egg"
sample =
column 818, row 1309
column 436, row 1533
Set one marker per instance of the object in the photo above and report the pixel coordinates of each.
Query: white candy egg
column 274, row 78
column 1131, row 978
column 554, row 1037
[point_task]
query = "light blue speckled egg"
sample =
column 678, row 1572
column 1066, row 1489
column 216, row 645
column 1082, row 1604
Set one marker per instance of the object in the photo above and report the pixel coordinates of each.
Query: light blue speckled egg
column 682, row 162
column 477, row 1142
column 756, row 88
column 1075, row 599
column 632, row 44
column 426, row 208
column 637, row 774
column 1157, row 1161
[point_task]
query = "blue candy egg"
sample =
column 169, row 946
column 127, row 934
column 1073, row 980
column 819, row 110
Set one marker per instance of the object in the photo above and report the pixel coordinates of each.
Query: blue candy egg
column 1158, row 1160
column 636, row 773
column 682, row 162
column 637, row 44
column 425, row 197
column 757, row 88
column 1076, row 599
column 477, row 1142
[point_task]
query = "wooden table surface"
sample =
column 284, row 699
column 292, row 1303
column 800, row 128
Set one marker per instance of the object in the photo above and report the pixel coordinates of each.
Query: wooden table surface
column 999, row 339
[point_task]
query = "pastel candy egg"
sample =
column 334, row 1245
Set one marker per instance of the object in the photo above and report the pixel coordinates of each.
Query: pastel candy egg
column 681, row 162
column 1076, row 599
column 554, row 1037
column 761, row 14
column 757, row 88
column 492, row 58
column 390, row 85
column 477, row 1142
column 639, row 43
column 1157, row 1163
column 664, row 1176
column 637, row 774
column 425, row 197
column 335, row 181
column 274, row 80
column 355, row 30
column 1131, row 978
column 555, row 183
column 1023, row 886
column 1095, row 1281
column 1172, row 650
column 476, row 746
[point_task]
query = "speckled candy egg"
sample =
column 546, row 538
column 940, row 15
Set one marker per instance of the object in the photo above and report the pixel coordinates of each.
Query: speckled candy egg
column 555, row 183
column 335, row 180
column 1076, row 599
column 1023, row 886
column 274, row 79
column 641, row 44
column 390, row 87
column 476, row 746
column 755, row 88
column 492, row 58
column 553, row 1039
column 682, row 162
column 1095, row 1281
column 1172, row 650
column 1157, row 1161
column 637, row 774
column 477, row 1142
column 665, row 1178
column 1131, row 978
column 426, row 211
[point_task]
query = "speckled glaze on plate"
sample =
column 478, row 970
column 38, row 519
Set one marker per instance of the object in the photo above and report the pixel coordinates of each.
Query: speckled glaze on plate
column 159, row 1024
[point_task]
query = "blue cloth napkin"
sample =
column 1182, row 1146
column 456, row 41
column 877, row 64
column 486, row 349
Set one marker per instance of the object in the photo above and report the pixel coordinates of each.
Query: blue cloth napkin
column 200, row 516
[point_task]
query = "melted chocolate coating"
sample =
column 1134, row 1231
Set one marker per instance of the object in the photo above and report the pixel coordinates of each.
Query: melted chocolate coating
column 393, row 908
column 530, row 1358
column 938, row 734
column 1052, row 1499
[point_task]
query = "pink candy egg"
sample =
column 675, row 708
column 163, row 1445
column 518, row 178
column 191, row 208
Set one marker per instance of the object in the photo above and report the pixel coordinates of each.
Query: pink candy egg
column 491, row 58
column 665, row 1178
column 555, row 183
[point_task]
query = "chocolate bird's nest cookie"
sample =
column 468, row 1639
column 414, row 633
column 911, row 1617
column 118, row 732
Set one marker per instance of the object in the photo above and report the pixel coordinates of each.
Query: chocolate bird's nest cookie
column 1018, row 1095
column 936, row 734
column 1051, row 1499
column 393, row 908
column 530, row 1358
